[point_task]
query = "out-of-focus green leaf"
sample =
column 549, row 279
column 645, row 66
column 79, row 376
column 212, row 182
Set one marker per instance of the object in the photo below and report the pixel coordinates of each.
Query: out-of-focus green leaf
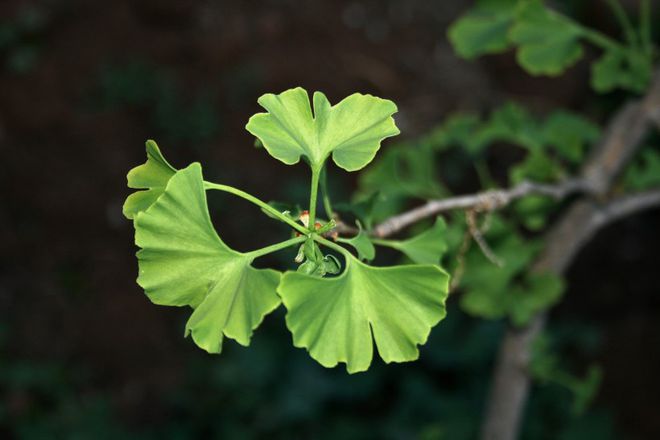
column 483, row 29
column 362, row 209
column 509, row 123
column 537, row 293
column 546, row 366
column 351, row 130
column 403, row 170
column 335, row 318
column 569, row 134
column 547, row 42
column 494, row 292
column 532, row 211
column 644, row 173
column 628, row 69
column 537, row 166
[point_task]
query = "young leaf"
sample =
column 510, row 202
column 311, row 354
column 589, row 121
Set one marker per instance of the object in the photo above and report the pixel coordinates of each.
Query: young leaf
column 547, row 42
column 351, row 130
column 483, row 29
column 425, row 248
column 362, row 244
column 151, row 176
column 334, row 318
column 184, row 262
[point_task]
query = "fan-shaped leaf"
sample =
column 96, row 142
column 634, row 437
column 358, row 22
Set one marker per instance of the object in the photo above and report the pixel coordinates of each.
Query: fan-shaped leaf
column 627, row 69
column 335, row 318
column 362, row 244
column 425, row 248
column 351, row 130
column 184, row 262
column 483, row 29
column 547, row 42
column 152, row 176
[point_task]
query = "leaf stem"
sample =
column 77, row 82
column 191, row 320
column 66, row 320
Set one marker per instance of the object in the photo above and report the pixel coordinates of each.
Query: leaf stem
column 332, row 245
column 313, row 194
column 260, row 203
column 384, row 242
column 275, row 247
column 624, row 21
column 327, row 206
column 601, row 40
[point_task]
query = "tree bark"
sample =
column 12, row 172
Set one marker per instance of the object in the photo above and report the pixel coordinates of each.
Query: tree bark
column 511, row 382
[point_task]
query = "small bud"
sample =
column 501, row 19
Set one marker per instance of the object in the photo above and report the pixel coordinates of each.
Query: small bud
column 317, row 225
column 304, row 218
column 300, row 256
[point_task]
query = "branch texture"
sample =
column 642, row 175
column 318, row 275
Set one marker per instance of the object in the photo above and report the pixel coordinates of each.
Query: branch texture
column 570, row 233
column 480, row 202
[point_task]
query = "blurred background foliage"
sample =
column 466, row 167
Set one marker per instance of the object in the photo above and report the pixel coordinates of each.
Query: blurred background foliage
column 83, row 354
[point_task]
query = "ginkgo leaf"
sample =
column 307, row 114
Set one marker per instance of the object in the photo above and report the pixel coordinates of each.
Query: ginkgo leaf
column 362, row 244
column 569, row 134
column 183, row 262
column 152, row 176
column 547, row 42
column 351, row 130
column 483, row 29
column 335, row 318
column 425, row 248
column 628, row 69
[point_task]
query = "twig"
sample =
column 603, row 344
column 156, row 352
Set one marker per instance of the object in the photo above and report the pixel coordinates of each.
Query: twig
column 475, row 232
column 480, row 202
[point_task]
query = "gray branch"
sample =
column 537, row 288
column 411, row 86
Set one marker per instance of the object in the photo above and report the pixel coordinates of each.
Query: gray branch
column 568, row 235
column 480, row 202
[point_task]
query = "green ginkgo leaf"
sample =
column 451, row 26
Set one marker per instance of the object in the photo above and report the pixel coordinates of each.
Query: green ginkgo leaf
column 547, row 42
column 362, row 244
column 335, row 318
column 351, row 130
column 627, row 69
column 183, row 262
column 570, row 134
column 483, row 29
column 152, row 176
column 425, row 248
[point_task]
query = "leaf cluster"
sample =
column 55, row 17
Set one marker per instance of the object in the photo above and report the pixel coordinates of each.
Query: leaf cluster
column 337, row 317
column 548, row 42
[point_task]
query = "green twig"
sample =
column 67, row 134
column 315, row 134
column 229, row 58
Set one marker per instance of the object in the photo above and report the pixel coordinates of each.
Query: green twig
column 313, row 193
column 332, row 245
column 275, row 247
column 601, row 40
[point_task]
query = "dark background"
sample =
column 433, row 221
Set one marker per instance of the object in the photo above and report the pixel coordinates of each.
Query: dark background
column 84, row 354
